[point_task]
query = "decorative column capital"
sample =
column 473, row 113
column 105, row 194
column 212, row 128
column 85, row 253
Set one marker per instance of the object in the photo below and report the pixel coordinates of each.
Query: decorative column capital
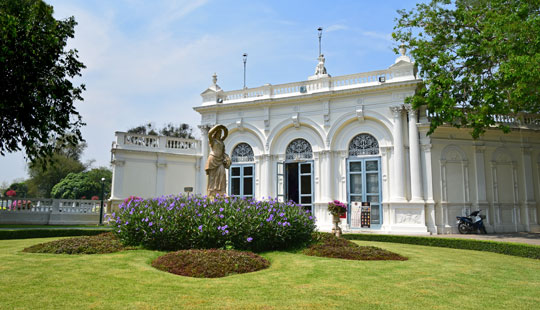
column 396, row 111
column 204, row 129
column 412, row 111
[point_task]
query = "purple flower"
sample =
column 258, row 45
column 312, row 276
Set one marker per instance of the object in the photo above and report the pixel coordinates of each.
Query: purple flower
column 161, row 229
column 150, row 224
column 200, row 228
column 221, row 216
column 127, row 222
column 221, row 209
column 249, row 239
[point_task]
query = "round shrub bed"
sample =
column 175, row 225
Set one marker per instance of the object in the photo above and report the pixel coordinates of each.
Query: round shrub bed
column 99, row 244
column 327, row 245
column 193, row 222
column 210, row 263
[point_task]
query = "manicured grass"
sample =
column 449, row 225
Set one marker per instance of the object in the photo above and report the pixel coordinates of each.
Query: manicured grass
column 432, row 278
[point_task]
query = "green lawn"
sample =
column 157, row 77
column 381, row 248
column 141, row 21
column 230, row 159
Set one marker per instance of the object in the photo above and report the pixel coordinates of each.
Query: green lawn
column 432, row 278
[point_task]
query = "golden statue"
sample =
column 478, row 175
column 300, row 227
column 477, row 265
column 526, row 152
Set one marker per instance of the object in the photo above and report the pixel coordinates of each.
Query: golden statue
column 217, row 162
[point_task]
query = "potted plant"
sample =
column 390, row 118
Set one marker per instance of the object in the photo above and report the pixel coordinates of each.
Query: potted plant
column 337, row 209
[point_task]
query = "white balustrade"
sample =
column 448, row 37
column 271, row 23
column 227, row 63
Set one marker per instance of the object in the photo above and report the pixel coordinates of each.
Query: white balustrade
column 310, row 86
column 156, row 143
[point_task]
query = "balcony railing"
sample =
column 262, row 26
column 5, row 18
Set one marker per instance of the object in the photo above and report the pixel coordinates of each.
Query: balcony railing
column 342, row 82
column 166, row 144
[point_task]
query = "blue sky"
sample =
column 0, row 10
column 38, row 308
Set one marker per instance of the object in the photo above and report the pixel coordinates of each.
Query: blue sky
column 148, row 61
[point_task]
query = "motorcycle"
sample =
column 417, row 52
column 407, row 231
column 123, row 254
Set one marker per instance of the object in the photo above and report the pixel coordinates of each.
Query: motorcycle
column 472, row 223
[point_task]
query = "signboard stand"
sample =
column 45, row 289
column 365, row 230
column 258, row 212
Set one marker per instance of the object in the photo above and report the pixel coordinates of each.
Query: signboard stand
column 365, row 215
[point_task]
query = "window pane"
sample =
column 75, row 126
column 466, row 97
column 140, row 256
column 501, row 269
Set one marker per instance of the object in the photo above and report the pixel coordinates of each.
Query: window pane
column 248, row 170
column 375, row 214
column 355, row 166
column 356, row 198
column 235, row 186
column 372, row 165
column 306, row 184
column 356, row 184
column 305, row 168
column 305, row 200
column 248, row 186
column 373, row 198
column 235, row 171
column 372, row 180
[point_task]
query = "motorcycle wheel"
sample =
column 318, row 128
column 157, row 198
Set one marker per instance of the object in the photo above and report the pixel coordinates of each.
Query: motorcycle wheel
column 463, row 228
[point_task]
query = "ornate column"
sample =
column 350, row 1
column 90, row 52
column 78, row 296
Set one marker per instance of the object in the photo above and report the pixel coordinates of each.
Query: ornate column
column 326, row 176
column 399, row 156
column 204, row 152
column 417, row 194
column 529, row 199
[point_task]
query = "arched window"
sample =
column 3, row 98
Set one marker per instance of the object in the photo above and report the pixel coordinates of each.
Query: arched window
column 242, row 153
column 363, row 144
column 298, row 149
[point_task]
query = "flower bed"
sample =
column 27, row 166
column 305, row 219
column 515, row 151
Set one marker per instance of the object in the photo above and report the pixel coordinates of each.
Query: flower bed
column 100, row 244
column 327, row 245
column 193, row 222
column 210, row 263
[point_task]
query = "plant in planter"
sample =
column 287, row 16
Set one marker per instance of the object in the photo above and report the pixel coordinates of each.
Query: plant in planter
column 337, row 209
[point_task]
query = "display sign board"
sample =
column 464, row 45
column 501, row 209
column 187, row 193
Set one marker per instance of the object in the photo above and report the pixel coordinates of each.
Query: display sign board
column 365, row 215
column 355, row 214
column 188, row 189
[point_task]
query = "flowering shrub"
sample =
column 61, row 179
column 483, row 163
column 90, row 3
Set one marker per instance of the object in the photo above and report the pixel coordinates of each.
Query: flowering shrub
column 337, row 207
column 102, row 243
column 11, row 193
column 94, row 198
column 193, row 222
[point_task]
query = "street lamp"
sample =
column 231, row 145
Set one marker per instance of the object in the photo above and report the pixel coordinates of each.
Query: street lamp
column 320, row 36
column 244, row 59
column 101, row 208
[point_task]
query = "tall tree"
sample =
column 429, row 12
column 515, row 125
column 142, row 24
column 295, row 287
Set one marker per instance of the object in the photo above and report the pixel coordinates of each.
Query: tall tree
column 36, row 92
column 478, row 59
column 83, row 184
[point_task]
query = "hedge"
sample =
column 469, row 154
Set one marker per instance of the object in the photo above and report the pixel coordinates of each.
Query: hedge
column 514, row 249
column 46, row 233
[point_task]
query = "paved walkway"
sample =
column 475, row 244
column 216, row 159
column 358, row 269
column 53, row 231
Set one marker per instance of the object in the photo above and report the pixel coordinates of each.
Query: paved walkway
column 519, row 237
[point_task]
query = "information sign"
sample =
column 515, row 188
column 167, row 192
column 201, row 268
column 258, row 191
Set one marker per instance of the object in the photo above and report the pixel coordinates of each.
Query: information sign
column 365, row 215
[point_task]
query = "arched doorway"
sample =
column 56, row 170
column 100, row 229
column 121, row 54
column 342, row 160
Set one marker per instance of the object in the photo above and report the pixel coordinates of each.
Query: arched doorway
column 364, row 179
column 297, row 173
column 242, row 171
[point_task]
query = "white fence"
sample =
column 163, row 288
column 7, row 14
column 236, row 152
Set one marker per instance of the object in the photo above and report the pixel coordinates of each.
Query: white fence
column 49, row 211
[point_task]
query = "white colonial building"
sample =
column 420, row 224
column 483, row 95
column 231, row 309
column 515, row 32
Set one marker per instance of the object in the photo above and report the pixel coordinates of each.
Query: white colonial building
column 349, row 138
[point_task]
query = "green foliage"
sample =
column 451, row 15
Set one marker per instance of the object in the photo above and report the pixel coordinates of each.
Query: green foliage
column 182, row 131
column 83, row 184
column 46, row 233
column 21, row 188
column 147, row 129
column 37, row 96
column 478, row 59
column 514, row 249
column 99, row 244
column 46, row 173
column 192, row 222
column 328, row 245
column 169, row 130
column 210, row 263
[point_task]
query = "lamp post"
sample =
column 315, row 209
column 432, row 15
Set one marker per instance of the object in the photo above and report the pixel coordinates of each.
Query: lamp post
column 244, row 59
column 101, row 208
column 320, row 36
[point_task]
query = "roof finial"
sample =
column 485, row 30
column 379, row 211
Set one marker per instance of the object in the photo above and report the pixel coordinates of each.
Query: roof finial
column 214, row 79
column 402, row 49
